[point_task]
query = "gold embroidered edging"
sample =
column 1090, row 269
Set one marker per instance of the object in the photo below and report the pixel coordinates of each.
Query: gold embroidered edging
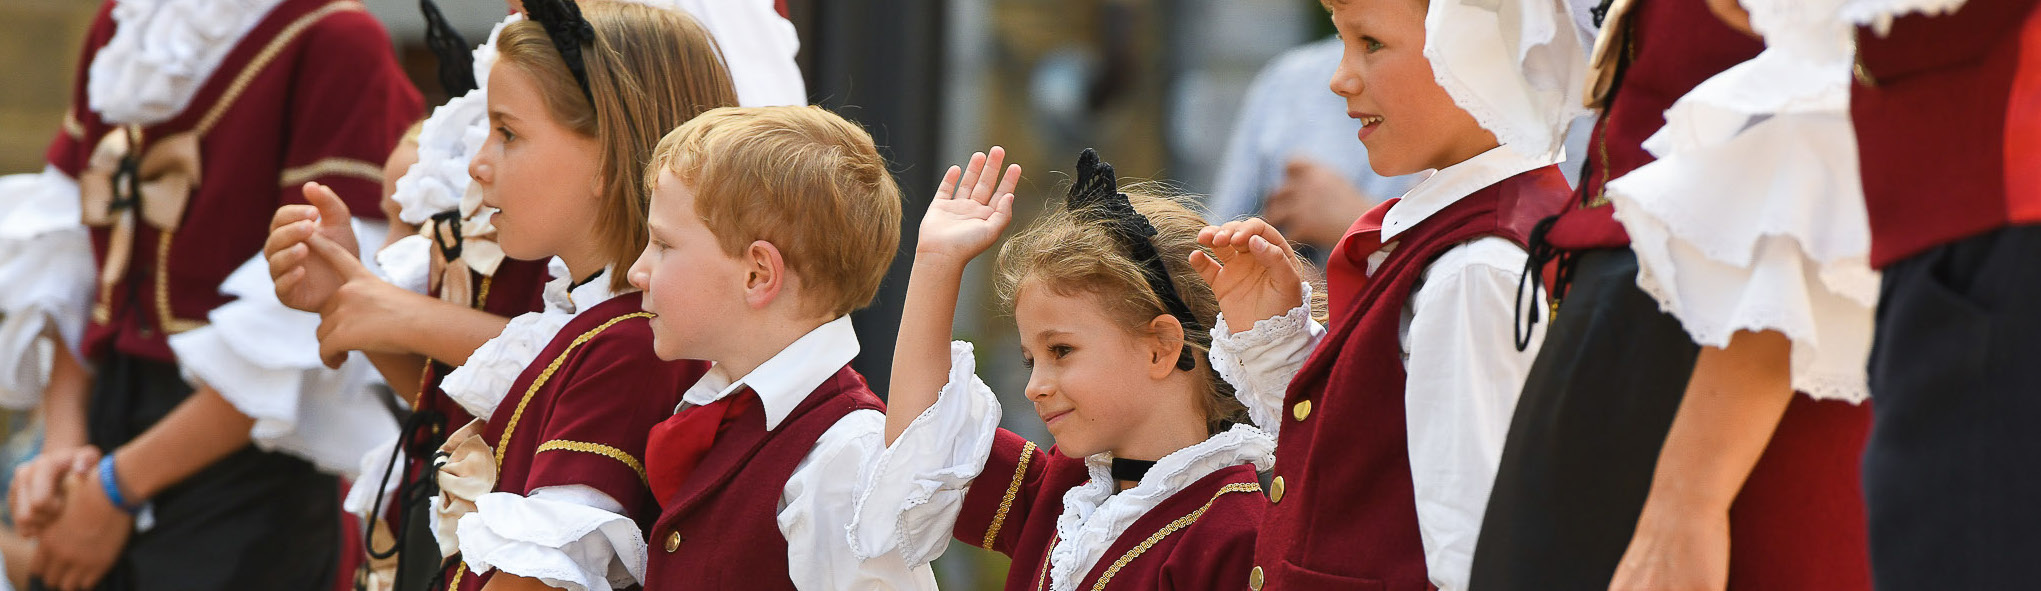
column 170, row 322
column 347, row 167
column 1020, row 474
column 269, row 53
column 598, row 449
column 459, row 571
column 1180, row 523
column 503, row 443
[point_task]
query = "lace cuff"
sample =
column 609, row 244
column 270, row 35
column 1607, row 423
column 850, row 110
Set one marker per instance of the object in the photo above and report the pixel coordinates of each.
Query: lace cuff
column 563, row 544
column 263, row 358
column 910, row 500
column 406, row 263
column 47, row 265
column 1260, row 361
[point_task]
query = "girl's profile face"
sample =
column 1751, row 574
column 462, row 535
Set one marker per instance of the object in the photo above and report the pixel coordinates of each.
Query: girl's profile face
column 1090, row 375
column 1409, row 122
column 542, row 176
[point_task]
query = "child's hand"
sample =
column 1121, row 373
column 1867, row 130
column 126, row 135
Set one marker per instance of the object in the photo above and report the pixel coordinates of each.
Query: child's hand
column 1255, row 275
column 304, row 282
column 967, row 215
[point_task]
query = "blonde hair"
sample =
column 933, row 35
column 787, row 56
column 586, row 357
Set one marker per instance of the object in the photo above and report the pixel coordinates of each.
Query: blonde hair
column 649, row 69
column 1069, row 254
column 802, row 178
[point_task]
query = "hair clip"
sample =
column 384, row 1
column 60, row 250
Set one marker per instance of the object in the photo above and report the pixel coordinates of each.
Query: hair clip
column 456, row 60
column 563, row 22
column 1096, row 196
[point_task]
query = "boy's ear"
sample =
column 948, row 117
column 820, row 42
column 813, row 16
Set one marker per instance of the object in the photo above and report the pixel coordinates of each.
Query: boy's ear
column 765, row 274
column 1165, row 341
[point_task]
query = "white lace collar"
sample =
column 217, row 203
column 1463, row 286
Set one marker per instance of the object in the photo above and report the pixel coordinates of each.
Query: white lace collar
column 1518, row 66
column 162, row 53
column 1094, row 517
column 482, row 383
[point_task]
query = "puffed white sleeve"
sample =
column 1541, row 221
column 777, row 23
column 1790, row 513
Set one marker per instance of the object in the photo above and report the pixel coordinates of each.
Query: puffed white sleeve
column 911, row 493
column 46, row 262
column 1260, row 361
column 569, row 537
column 1752, row 218
column 263, row 358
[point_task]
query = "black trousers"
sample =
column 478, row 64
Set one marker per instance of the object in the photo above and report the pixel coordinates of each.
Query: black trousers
column 1585, row 438
column 254, row 521
column 1952, row 470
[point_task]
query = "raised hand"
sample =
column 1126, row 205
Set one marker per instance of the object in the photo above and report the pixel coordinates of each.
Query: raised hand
column 972, row 206
column 303, row 281
column 361, row 310
column 1254, row 275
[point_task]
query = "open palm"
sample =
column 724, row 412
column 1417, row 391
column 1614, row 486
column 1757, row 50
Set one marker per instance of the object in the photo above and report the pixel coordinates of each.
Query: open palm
column 1251, row 269
column 972, row 206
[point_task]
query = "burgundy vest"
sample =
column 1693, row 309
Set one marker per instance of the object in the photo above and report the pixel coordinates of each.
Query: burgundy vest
column 1343, row 514
column 1674, row 45
column 720, row 531
column 1948, row 118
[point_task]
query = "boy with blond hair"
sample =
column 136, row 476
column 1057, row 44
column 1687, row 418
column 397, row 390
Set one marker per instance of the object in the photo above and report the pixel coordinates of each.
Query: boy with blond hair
column 768, row 227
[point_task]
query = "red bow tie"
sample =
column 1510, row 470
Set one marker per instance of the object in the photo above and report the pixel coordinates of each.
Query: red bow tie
column 677, row 444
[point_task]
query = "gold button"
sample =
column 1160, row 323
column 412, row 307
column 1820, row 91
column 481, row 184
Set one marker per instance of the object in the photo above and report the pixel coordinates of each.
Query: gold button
column 1276, row 490
column 1302, row 409
column 1254, row 579
column 673, row 542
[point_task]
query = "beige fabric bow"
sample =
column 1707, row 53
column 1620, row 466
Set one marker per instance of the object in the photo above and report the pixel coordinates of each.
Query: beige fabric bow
column 168, row 173
column 467, row 470
column 476, row 238
column 1610, row 45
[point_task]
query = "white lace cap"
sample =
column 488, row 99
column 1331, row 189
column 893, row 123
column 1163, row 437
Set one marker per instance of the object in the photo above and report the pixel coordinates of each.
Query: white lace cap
column 1518, row 66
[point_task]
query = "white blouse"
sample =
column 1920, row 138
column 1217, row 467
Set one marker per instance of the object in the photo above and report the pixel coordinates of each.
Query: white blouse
column 47, row 263
column 910, row 500
column 1462, row 369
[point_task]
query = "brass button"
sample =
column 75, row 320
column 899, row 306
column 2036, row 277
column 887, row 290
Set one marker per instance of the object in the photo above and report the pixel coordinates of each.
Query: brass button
column 1254, row 579
column 1276, row 490
column 672, row 542
column 1302, row 409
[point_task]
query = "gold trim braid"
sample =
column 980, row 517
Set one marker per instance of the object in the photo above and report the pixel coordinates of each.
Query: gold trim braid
column 600, row 450
column 1020, row 474
column 347, row 167
column 1180, row 523
column 503, row 443
column 269, row 52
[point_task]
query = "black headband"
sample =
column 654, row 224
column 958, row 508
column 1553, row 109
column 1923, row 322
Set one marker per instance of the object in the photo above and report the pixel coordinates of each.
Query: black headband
column 456, row 60
column 563, row 22
column 1096, row 197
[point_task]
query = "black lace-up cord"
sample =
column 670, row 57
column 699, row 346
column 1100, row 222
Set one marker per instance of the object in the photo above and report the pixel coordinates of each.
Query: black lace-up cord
column 1541, row 253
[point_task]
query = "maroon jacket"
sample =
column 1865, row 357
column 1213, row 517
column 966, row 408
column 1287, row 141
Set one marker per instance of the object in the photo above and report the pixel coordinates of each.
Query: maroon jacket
column 720, row 531
column 1948, row 117
column 1201, row 538
column 1342, row 512
column 580, row 414
column 312, row 93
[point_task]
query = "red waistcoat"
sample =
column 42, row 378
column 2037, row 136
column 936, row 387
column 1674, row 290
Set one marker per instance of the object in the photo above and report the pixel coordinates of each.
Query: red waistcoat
column 1343, row 515
column 1673, row 46
column 720, row 530
column 1948, row 117
column 1202, row 537
column 312, row 93
column 580, row 413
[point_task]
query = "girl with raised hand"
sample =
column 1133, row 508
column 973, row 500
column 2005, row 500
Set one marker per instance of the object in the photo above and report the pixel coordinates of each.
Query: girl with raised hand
column 1152, row 481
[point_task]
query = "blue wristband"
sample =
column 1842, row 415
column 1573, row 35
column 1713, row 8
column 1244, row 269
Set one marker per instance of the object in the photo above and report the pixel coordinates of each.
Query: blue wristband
column 112, row 486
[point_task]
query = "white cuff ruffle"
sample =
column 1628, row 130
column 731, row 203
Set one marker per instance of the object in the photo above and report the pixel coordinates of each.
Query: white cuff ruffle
column 406, row 263
column 263, row 358
column 47, row 264
column 1753, row 216
column 1260, row 361
column 910, row 500
column 562, row 544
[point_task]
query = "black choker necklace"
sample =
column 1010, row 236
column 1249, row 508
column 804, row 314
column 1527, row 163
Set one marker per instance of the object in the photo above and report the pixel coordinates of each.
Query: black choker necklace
column 1130, row 470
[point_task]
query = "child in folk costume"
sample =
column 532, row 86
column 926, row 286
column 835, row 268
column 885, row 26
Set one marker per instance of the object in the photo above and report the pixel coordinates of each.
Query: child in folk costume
column 186, row 119
column 548, row 488
column 455, row 258
column 1152, row 482
column 1390, row 424
column 1660, row 416
column 1947, row 114
column 769, row 226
